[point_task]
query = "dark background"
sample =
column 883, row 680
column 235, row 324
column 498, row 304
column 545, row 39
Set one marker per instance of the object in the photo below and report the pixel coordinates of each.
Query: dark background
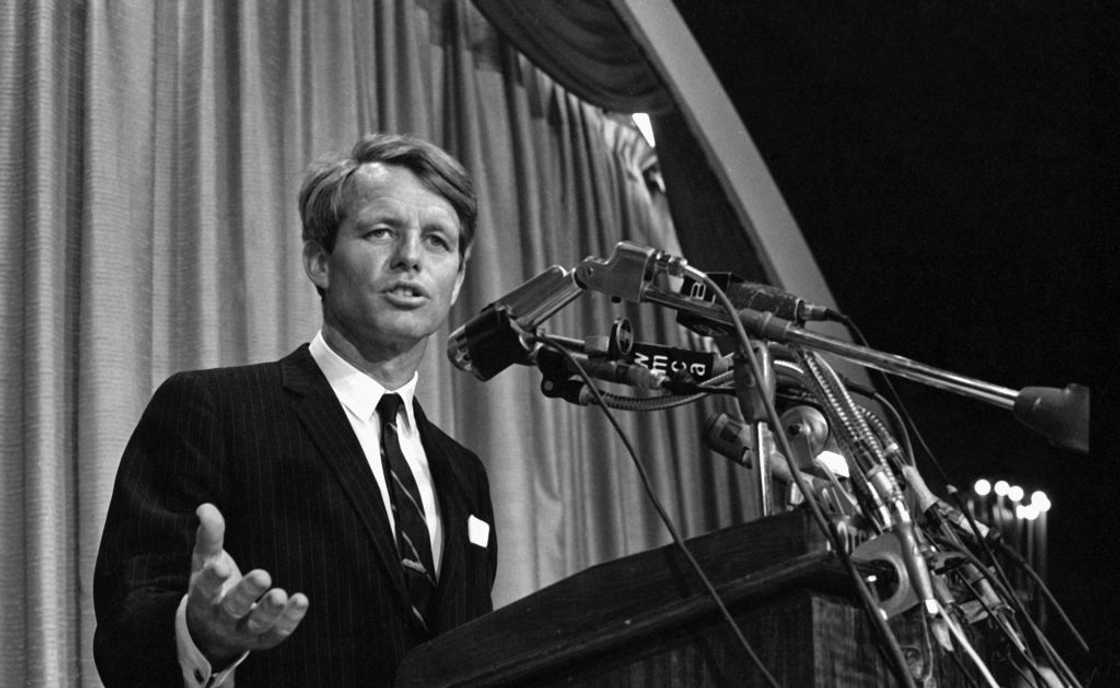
column 944, row 164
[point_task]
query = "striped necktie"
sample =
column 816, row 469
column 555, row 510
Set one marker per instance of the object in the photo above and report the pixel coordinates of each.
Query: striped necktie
column 413, row 539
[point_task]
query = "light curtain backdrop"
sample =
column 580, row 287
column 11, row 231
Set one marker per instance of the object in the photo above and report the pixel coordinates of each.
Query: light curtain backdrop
column 150, row 153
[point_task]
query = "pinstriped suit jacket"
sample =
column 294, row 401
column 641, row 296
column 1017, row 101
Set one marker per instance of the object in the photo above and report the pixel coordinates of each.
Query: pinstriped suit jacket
column 270, row 445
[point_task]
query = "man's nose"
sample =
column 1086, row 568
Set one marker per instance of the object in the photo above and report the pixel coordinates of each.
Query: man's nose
column 407, row 249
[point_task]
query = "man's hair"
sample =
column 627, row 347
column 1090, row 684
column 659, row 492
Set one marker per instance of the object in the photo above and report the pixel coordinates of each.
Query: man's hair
column 322, row 196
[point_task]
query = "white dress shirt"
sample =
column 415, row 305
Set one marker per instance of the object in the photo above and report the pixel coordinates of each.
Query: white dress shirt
column 359, row 395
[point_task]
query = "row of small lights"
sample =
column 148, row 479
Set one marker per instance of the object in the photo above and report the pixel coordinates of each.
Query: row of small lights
column 1039, row 503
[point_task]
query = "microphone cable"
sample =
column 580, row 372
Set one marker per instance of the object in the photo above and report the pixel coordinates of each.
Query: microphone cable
column 897, row 660
column 954, row 494
column 900, row 407
column 1007, row 593
column 662, row 514
column 1003, row 624
column 899, row 424
column 1026, row 567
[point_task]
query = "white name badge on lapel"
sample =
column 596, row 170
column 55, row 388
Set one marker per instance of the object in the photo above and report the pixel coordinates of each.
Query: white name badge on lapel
column 478, row 531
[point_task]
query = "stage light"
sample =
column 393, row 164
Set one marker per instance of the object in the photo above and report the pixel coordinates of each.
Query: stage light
column 641, row 120
column 1038, row 497
column 982, row 487
column 1015, row 493
column 1028, row 513
column 1001, row 487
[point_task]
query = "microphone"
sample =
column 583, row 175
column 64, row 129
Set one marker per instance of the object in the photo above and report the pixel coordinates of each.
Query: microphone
column 936, row 509
column 1061, row 415
column 629, row 271
column 732, row 438
column 494, row 339
column 619, row 345
column 757, row 297
column 763, row 297
column 700, row 365
column 555, row 365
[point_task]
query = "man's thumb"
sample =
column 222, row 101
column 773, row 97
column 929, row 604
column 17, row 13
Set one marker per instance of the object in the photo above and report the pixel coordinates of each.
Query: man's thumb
column 208, row 539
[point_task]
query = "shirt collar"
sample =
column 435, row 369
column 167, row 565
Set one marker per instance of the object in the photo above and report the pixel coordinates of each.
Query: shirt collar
column 357, row 391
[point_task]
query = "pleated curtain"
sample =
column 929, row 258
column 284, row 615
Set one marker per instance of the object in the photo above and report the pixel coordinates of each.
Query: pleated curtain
column 150, row 155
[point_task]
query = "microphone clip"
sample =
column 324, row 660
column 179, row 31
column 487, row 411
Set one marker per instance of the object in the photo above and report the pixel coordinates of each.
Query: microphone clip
column 629, row 272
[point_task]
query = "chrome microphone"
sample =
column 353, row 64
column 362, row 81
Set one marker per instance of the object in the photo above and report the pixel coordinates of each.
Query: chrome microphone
column 732, row 439
column 630, row 270
column 494, row 339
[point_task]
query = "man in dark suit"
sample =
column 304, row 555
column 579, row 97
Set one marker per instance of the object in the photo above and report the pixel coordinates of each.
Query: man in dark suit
column 318, row 469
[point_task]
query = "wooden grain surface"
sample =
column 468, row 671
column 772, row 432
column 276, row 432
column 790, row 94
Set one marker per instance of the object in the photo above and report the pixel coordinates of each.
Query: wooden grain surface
column 644, row 620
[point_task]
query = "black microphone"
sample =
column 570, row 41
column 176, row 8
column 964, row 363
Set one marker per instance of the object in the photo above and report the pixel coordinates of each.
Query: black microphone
column 763, row 297
column 729, row 438
column 742, row 294
column 1061, row 415
column 732, row 438
column 699, row 365
column 936, row 509
column 555, row 365
column 493, row 340
column 618, row 358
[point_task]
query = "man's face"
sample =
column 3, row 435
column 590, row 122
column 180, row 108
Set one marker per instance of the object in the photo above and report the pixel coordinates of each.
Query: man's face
column 395, row 269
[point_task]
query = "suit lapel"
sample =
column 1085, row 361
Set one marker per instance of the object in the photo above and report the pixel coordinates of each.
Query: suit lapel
column 325, row 421
column 454, row 512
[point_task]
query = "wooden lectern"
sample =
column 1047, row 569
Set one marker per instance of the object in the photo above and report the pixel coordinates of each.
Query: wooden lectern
column 644, row 620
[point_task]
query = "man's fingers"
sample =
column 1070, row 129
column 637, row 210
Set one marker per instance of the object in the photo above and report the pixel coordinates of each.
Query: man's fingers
column 208, row 539
column 228, row 610
column 206, row 588
column 268, row 609
column 289, row 618
column 239, row 600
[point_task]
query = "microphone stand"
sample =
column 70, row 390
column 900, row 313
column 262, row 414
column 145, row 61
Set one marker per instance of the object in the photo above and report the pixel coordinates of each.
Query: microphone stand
column 629, row 275
column 1061, row 415
column 748, row 392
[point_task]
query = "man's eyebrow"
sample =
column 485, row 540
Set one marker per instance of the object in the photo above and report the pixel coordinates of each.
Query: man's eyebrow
column 379, row 215
column 391, row 215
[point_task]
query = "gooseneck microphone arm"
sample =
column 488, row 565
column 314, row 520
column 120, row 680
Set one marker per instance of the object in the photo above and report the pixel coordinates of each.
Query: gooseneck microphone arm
column 1061, row 415
column 771, row 327
column 1003, row 397
column 493, row 340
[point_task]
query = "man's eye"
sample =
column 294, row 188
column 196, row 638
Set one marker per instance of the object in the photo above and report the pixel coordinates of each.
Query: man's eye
column 379, row 232
column 438, row 241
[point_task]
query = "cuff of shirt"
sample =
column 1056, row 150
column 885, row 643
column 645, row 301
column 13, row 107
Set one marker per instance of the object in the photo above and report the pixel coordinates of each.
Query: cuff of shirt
column 197, row 672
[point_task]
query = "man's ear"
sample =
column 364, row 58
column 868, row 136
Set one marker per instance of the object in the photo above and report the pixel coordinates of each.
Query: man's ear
column 316, row 264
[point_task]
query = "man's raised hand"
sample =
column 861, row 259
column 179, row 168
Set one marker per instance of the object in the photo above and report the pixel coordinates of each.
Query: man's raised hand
column 227, row 613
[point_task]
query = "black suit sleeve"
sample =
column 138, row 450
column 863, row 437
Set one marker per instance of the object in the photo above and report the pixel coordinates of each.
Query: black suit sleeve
column 170, row 466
